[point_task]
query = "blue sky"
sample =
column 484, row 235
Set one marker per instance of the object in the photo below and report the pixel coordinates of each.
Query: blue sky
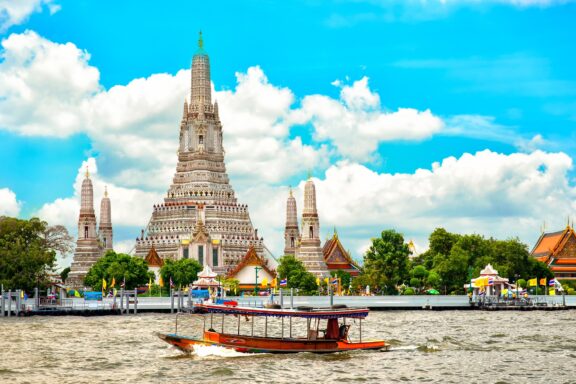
column 488, row 89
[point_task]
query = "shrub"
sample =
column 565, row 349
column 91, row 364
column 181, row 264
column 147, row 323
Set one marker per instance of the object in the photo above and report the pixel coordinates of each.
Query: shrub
column 409, row 291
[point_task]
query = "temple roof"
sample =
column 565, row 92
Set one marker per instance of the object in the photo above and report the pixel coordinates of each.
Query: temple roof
column 207, row 273
column 251, row 258
column 488, row 271
column 153, row 259
column 335, row 256
column 549, row 244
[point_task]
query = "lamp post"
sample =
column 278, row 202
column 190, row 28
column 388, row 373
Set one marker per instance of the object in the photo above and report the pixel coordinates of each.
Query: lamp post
column 256, row 269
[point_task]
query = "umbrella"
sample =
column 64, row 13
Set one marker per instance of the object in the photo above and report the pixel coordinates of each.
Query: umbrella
column 432, row 292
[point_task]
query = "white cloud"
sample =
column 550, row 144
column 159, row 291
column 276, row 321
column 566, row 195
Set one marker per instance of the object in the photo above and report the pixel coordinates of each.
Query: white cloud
column 9, row 206
column 356, row 124
column 13, row 12
column 134, row 129
column 44, row 86
column 486, row 192
column 130, row 206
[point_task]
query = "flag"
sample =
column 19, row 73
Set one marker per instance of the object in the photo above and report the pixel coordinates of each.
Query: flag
column 103, row 284
column 113, row 283
column 171, row 282
column 264, row 283
column 552, row 282
column 490, row 281
column 543, row 281
column 76, row 293
column 552, row 292
column 505, row 291
column 284, row 282
column 326, row 280
column 334, row 281
column 123, row 285
column 150, row 283
column 532, row 282
column 318, row 281
column 21, row 294
column 273, row 283
column 161, row 282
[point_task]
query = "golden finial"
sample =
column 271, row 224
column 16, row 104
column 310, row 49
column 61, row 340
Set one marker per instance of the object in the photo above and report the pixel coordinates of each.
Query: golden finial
column 105, row 191
column 290, row 190
column 309, row 173
column 335, row 232
column 87, row 173
column 200, row 41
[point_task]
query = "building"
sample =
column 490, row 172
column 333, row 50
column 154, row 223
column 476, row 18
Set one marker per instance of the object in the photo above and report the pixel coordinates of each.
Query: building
column 337, row 258
column 308, row 249
column 490, row 283
column 558, row 251
column 91, row 244
column 306, row 245
column 200, row 217
column 251, row 271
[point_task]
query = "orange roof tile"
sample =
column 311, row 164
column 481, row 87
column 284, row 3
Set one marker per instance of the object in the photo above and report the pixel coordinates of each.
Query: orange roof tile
column 564, row 261
column 547, row 242
column 251, row 258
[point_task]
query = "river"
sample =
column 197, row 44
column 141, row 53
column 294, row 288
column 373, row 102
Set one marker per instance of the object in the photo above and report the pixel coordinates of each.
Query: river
column 427, row 346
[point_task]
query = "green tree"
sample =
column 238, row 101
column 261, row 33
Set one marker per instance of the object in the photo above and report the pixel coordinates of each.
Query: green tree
column 120, row 267
column 434, row 280
column 298, row 277
column 344, row 276
column 387, row 261
column 64, row 274
column 25, row 256
column 183, row 272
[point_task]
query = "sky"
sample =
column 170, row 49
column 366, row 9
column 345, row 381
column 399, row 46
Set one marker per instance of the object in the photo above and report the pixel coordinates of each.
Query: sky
column 409, row 114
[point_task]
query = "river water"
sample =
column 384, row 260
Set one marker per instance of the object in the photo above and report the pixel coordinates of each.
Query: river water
column 427, row 346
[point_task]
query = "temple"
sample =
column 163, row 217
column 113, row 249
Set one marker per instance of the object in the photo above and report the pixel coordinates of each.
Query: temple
column 305, row 245
column 251, row 271
column 558, row 251
column 200, row 217
column 91, row 244
column 337, row 258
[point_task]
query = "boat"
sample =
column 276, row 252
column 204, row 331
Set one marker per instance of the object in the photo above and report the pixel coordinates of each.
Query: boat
column 327, row 329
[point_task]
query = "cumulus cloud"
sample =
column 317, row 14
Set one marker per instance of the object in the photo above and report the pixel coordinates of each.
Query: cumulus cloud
column 488, row 193
column 134, row 129
column 9, row 206
column 356, row 123
column 130, row 206
column 44, row 86
column 13, row 12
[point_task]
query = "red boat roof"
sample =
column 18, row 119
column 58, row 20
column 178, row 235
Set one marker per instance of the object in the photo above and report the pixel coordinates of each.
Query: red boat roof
column 306, row 312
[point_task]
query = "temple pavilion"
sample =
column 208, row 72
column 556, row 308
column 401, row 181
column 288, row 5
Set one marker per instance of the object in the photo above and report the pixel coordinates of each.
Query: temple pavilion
column 248, row 268
column 558, row 251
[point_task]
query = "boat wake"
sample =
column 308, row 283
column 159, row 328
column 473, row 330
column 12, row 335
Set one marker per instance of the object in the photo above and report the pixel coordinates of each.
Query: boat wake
column 421, row 348
column 214, row 351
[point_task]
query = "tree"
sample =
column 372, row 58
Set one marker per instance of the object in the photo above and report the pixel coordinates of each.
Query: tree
column 25, row 258
column 183, row 272
column 64, row 274
column 120, row 267
column 344, row 276
column 297, row 276
column 58, row 239
column 386, row 262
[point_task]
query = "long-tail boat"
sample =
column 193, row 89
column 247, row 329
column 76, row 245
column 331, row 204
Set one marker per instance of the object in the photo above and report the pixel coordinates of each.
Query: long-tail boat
column 327, row 330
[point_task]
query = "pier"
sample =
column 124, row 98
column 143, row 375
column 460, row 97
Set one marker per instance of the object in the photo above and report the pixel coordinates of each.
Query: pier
column 129, row 302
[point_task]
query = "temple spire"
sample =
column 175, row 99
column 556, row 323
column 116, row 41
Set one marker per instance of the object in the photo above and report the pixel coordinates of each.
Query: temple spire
column 200, row 41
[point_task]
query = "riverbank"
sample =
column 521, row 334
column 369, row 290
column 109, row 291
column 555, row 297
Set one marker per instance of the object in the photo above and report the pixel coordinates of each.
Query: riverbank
column 109, row 306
